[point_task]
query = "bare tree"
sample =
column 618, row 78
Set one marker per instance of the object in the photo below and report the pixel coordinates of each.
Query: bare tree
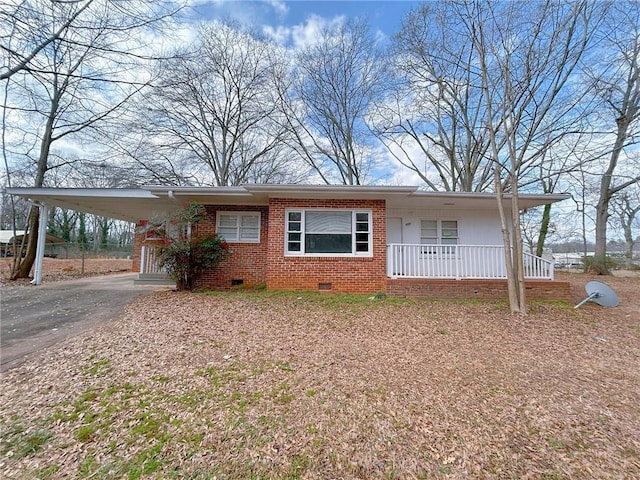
column 626, row 209
column 62, row 222
column 25, row 32
column 215, row 117
column 617, row 84
column 75, row 83
column 432, row 121
column 337, row 78
column 524, row 81
column 494, row 80
column 554, row 169
column 436, row 121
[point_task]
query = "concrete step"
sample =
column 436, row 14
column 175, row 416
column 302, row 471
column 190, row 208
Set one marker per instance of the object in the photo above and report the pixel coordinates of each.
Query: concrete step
column 153, row 279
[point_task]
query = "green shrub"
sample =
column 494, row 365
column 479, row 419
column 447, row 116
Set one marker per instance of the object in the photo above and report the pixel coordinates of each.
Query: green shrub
column 186, row 255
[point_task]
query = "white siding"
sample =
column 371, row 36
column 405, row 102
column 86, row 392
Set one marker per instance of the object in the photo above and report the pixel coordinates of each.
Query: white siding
column 478, row 253
column 475, row 227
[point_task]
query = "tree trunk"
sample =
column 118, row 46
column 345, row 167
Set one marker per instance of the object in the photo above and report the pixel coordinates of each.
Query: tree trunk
column 518, row 254
column 82, row 230
column 599, row 264
column 628, row 238
column 25, row 265
column 544, row 229
column 512, row 285
column 66, row 225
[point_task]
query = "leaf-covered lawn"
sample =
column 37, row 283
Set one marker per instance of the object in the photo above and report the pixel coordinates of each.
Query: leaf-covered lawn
column 283, row 385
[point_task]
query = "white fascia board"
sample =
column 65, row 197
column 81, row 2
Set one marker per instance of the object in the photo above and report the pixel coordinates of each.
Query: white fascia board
column 543, row 197
column 37, row 193
column 198, row 191
column 209, row 195
column 471, row 200
column 329, row 191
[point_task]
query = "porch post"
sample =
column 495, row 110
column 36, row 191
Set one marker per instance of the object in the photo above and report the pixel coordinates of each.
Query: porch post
column 143, row 257
column 42, row 238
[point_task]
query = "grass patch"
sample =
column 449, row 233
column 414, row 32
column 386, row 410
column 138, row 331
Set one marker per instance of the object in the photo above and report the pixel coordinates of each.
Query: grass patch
column 18, row 443
column 86, row 433
column 556, row 443
column 97, row 367
column 327, row 300
column 47, row 472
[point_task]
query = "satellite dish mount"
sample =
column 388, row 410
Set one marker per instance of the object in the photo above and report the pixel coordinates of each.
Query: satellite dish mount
column 600, row 293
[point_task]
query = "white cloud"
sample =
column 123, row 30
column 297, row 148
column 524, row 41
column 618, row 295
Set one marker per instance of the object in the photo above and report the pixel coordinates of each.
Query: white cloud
column 279, row 34
column 279, row 6
column 303, row 34
column 248, row 13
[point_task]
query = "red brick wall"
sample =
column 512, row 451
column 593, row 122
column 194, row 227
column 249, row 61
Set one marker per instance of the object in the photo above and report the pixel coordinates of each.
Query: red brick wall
column 246, row 261
column 482, row 289
column 345, row 274
column 138, row 238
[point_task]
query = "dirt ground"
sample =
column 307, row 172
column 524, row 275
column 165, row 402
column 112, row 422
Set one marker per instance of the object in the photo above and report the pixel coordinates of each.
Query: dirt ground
column 67, row 269
column 235, row 385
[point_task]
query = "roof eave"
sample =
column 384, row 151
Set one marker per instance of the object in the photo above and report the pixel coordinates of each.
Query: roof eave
column 329, row 191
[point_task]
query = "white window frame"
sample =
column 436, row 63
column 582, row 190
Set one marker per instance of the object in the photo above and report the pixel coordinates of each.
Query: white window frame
column 439, row 237
column 353, row 211
column 238, row 214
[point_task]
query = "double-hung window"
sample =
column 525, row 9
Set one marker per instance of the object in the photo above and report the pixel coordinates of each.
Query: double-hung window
column 328, row 232
column 242, row 227
column 440, row 235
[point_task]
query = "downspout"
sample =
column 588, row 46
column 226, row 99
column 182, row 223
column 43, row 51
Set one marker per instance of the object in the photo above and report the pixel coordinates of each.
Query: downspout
column 42, row 237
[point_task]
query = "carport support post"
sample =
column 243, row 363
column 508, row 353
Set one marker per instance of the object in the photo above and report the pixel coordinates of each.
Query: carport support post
column 42, row 238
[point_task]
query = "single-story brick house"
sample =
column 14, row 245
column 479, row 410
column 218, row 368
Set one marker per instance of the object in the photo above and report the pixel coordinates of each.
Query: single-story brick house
column 356, row 239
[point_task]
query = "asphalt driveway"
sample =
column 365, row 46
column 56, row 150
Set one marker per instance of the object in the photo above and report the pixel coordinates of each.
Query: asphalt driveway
column 33, row 317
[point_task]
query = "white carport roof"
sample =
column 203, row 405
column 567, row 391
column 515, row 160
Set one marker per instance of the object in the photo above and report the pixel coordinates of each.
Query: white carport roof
column 129, row 204
column 134, row 204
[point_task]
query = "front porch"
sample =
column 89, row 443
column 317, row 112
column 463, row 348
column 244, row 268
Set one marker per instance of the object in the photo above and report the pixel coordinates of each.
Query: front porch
column 465, row 272
column 417, row 261
column 459, row 262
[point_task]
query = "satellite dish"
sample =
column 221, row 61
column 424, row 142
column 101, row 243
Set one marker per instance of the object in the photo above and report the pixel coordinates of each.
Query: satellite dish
column 600, row 293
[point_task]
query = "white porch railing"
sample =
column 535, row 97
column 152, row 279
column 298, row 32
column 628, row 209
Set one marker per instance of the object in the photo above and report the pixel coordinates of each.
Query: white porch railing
column 149, row 260
column 458, row 261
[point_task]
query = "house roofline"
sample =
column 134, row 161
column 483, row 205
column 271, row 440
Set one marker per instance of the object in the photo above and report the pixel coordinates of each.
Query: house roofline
column 544, row 197
column 36, row 192
column 212, row 191
column 134, row 204
column 351, row 190
column 265, row 191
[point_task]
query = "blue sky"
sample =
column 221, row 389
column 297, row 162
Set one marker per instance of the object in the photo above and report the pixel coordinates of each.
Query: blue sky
column 290, row 16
